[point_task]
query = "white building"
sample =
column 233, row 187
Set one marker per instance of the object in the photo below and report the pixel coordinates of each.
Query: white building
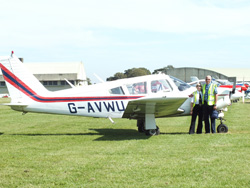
column 53, row 75
column 185, row 73
column 241, row 74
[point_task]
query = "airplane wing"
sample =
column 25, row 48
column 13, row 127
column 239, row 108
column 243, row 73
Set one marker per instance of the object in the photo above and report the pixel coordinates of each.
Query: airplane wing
column 161, row 107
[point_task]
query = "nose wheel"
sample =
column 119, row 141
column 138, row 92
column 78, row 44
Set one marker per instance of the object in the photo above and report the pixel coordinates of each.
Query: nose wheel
column 222, row 128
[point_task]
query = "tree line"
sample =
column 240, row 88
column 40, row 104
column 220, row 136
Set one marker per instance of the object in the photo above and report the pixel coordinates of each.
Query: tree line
column 134, row 72
column 129, row 73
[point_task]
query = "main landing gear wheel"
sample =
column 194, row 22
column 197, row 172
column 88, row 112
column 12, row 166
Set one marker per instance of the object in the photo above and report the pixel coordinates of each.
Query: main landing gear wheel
column 222, row 128
column 152, row 132
column 140, row 125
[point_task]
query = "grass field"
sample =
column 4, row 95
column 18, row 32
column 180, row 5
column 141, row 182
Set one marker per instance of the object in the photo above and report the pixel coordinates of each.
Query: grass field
column 39, row 150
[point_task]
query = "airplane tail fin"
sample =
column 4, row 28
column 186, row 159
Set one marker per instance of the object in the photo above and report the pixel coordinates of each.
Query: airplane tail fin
column 22, row 85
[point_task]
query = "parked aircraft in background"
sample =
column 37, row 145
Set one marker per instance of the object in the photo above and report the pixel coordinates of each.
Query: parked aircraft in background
column 4, row 95
column 141, row 98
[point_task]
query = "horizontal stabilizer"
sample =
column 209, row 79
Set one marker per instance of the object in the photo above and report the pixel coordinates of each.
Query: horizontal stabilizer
column 14, row 104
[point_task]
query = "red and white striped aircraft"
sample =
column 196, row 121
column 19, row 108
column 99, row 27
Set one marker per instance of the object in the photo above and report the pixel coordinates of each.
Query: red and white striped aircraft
column 141, row 98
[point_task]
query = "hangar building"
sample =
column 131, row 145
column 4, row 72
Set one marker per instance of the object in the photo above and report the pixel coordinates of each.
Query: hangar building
column 52, row 75
column 185, row 73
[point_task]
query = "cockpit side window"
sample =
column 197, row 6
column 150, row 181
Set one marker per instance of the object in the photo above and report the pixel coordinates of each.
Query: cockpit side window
column 160, row 85
column 137, row 88
column 116, row 91
column 180, row 84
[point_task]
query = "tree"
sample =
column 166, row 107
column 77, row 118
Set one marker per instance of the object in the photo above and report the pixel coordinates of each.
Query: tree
column 136, row 72
column 130, row 73
column 89, row 81
column 118, row 75
column 164, row 69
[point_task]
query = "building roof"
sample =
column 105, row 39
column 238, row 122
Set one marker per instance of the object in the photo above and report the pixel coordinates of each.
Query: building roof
column 57, row 68
column 241, row 74
column 184, row 73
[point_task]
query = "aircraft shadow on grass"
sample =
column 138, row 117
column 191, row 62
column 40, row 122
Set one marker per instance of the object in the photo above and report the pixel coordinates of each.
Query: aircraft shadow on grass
column 122, row 134
column 105, row 134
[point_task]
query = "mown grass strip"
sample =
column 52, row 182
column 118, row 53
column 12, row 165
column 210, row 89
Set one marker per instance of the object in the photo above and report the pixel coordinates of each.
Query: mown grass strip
column 41, row 150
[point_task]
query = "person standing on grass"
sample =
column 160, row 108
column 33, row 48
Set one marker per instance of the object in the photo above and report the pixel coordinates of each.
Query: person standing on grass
column 209, row 101
column 196, row 110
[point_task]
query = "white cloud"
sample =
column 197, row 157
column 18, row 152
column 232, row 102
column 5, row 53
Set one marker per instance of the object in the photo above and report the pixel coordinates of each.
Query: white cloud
column 181, row 16
column 54, row 27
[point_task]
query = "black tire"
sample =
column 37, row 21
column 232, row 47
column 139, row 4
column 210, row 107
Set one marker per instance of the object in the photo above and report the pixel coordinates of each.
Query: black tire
column 140, row 125
column 141, row 129
column 157, row 130
column 153, row 132
column 222, row 128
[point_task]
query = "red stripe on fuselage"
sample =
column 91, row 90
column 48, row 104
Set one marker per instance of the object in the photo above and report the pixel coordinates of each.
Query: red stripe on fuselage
column 33, row 95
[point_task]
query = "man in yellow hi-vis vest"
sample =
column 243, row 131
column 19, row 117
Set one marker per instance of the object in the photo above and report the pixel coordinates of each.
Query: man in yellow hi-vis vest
column 209, row 101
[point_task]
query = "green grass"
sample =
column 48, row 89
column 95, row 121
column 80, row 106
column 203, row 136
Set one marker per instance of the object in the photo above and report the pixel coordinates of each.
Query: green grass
column 39, row 150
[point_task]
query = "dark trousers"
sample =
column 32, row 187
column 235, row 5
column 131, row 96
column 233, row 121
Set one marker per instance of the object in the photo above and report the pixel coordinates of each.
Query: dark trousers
column 197, row 111
column 207, row 110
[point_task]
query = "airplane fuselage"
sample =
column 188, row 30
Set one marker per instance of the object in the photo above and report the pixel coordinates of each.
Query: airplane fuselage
column 142, row 98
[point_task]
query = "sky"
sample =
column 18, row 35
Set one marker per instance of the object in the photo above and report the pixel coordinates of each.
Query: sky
column 111, row 36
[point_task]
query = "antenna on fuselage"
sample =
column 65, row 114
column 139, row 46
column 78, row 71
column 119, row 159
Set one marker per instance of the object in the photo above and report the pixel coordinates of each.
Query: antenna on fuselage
column 101, row 80
column 69, row 83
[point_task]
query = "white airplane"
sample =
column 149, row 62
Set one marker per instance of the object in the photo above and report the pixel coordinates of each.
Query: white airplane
column 141, row 98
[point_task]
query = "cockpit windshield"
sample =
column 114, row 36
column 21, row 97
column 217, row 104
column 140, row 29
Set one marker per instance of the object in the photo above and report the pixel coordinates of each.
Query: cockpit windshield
column 180, row 84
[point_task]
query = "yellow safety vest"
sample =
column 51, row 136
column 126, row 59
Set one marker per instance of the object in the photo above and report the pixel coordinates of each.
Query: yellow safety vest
column 210, row 98
column 196, row 94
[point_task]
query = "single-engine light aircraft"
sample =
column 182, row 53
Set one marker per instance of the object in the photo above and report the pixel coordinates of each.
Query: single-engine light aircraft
column 141, row 98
